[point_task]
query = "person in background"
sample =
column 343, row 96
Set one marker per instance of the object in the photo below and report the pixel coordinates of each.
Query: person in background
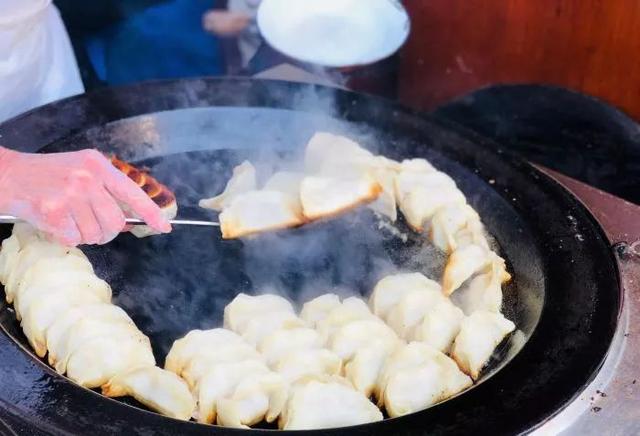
column 238, row 21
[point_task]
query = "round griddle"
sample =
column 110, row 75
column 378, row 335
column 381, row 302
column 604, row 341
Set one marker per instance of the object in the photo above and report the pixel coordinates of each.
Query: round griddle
column 565, row 296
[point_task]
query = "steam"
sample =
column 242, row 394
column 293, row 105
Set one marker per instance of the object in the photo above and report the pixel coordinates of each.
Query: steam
column 174, row 283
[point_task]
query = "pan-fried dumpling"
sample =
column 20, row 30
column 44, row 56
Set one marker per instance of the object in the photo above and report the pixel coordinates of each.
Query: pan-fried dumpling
column 317, row 309
column 326, row 403
column 42, row 312
column 200, row 364
column 462, row 264
column 416, row 165
column 420, row 195
column 287, row 182
column 410, row 386
column 303, row 363
column 256, row 398
column 480, row 333
column 351, row 337
column 390, row 290
column 244, row 308
column 183, row 349
column 266, row 323
column 381, row 169
column 87, row 330
column 21, row 235
column 242, row 180
column 364, row 368
column 439, row 326
column 364, row 345
column 58, row 331
column 484, row 292
column 351, row 309
column 323, row 197
column 97, row 361
column 281, row 342
column 411, row 309
column 28, row 256
column 8, row 257
column 159, row 390
column 259, row 211
column 448, row 221
column 54, row 273
column 326, row 147
column 220, row 382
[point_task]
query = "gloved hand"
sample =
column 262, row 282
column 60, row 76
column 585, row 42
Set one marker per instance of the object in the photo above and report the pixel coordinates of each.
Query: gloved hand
column 73, row 197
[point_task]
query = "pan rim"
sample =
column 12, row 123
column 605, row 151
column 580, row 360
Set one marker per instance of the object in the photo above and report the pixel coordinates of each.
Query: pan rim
column 14, row 129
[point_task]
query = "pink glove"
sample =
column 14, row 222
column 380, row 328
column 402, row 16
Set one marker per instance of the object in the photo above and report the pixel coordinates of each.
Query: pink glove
column 74, row 197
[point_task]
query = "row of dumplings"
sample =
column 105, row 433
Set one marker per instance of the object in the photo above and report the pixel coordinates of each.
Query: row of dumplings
column 339, row 175
column 319, row 368
column 66, row 313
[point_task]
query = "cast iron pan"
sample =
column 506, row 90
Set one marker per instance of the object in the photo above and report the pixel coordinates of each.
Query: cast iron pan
column 565, row 297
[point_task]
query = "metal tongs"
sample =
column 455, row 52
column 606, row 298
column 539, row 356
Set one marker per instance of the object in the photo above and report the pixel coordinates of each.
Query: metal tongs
column 8, row 219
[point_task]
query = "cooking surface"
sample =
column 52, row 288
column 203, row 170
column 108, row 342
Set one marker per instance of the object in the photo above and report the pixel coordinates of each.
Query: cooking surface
column 559, row 240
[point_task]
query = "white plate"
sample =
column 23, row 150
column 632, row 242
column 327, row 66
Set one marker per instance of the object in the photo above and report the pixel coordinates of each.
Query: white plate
column 334, row 33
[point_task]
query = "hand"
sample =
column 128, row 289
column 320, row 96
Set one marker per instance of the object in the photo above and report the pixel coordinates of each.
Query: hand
column 74, row 197
column 225, row 23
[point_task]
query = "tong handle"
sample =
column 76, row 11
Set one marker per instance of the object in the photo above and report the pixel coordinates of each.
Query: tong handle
column 8, row 219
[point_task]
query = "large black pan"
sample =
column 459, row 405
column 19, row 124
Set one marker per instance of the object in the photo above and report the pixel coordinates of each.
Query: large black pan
column 565, row 297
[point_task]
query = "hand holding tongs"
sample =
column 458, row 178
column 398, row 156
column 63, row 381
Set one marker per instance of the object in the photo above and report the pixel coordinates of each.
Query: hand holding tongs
column 8, row 219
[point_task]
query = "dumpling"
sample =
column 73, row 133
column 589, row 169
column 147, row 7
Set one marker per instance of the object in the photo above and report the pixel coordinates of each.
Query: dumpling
column 281, row 342
column 439, row 326
column 335, row 156
column 351, row 337
column 183, row 349
column 381, row 169
column 243, row 308
column 42, row 312
column 351, row 309
column 448, row 221
column 317, row 309
column 28, row 256
column 57, row 272
column 58, row 331
column 412, row 384
column 220, row 382
column 329, row 196
column 287, row 182
column 201, row 362
column 324, row 148
column 484, row 292
column 256, row 398
column 259, row 211
column 242, row 180
column 364, row 345
column 480, row 333
column 97, row 361
column 263, row 324
column 326, row 403
column 21, row 235
column 417, row 165
column 462, row 264
column 364, row 368
column 390, row 290
column 421, row 194
column 159, row 390
column 303, row 363
column 86, row 330
column 411, row 309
